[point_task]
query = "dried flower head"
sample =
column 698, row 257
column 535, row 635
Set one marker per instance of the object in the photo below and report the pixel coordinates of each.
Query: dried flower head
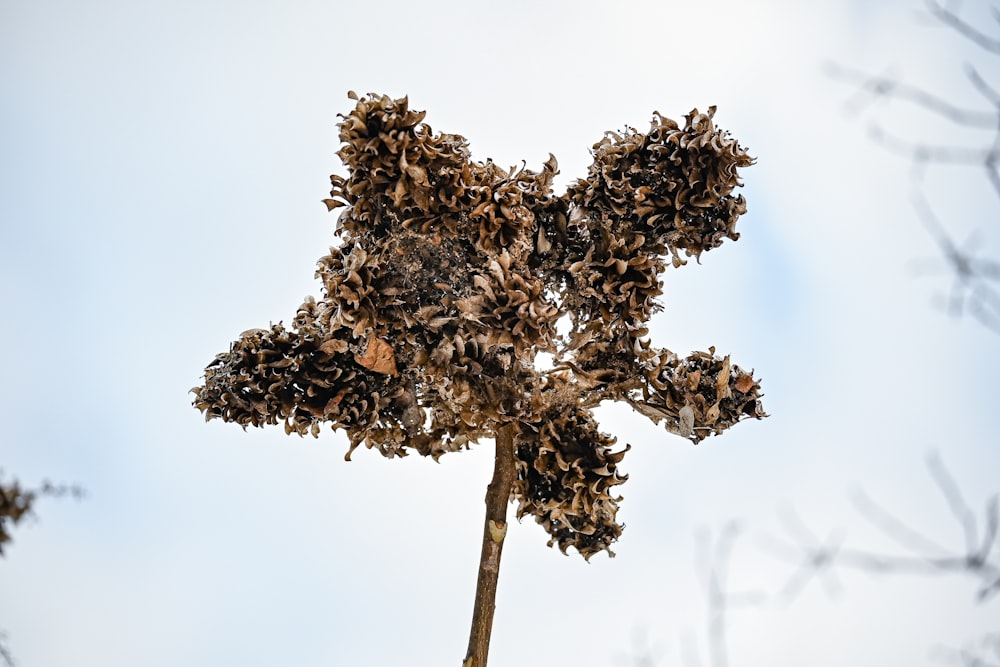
column 449, row 279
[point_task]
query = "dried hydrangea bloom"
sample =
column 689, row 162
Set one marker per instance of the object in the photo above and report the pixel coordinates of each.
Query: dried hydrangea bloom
column 449, row 278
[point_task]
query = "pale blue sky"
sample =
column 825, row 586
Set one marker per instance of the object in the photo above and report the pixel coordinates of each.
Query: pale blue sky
column 162, row 166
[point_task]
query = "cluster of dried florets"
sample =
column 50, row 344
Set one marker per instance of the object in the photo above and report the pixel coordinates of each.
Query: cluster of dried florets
column 565, row 474
column 449, row 279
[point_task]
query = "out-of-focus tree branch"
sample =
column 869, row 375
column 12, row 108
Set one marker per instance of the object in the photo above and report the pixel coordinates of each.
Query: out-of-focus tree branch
column 975, row 289
column 819, row 557
column 643, row 653
column 17, row 503
column 949, row 18
column 985, row 652
column 971, row 290
column 5, row 654
column 871, row 87
column 978, row 557
column 713, row 558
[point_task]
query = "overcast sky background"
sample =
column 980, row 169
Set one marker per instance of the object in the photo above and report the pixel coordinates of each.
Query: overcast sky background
column 161, row 170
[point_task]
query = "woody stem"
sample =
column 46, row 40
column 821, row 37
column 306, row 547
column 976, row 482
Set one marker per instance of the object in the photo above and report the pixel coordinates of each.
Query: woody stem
column 494, row 531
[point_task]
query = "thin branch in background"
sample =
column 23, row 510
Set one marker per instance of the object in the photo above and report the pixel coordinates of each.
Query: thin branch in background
column 978, row 557
column 985, row 652
column 713, row 563
column 988, row 92
column 5, row 654
column 975, row 290
column 922, row 154
column 972, row 290
column 813, row 557
column 874, row 87
column 956, row 503
column 17, row 502
column 643, row 654
column 895, row 529
column 965, row 29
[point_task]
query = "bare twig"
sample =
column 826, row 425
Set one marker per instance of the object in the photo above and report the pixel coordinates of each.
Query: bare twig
column 985, row 652
column 972, row 292
column 882, row 86
column 813, row 556
column 953, row 496
column 921, row 154
column 988, row 92
column 922, row 555
column 643, row 654
column 979, row 557
column 973, row 289
column 965, row 29
column 5, row 654
column 713, row 561
column 894, row 528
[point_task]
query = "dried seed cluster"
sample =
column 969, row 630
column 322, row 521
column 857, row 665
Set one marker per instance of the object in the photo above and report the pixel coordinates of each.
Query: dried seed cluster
column 699, row 395
column 566, row 471
column 647, row 196
column 449, row 278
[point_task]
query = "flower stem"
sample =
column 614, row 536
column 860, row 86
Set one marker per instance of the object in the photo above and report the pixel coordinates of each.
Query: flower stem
column 494, row 531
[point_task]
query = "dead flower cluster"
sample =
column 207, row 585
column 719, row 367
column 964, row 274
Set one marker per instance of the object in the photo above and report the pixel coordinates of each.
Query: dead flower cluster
column 448, row 280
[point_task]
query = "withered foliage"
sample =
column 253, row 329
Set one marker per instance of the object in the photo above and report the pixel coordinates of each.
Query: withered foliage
column 17, row 503
column 448, row 280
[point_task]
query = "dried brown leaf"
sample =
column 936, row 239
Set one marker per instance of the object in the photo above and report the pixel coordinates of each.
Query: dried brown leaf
column 378, row 357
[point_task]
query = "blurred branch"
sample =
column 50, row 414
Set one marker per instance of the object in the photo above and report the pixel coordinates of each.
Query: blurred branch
column 965, row 29
column 921, row 154
column 16, row 502
column 713, row 562
column 988, row 92
column 978, row 557
column 882, row 86
column 5, row 654
column 975, row 288
column 976, row 280
column 813, row 562
column 643, row 653
column 974, row 655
